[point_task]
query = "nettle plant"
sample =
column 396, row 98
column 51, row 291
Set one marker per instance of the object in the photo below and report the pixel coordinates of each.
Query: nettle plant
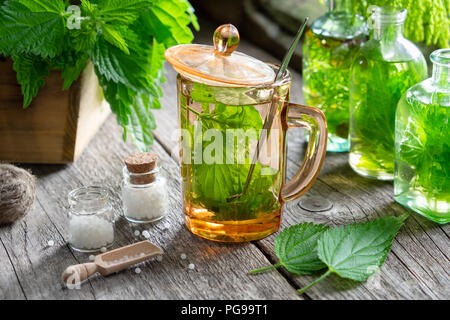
column 427, row 21
column 124, row 39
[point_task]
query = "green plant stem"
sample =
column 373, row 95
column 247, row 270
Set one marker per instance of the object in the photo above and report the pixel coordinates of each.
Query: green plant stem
column 265, row 268
column 191, row 110
column 326, row 274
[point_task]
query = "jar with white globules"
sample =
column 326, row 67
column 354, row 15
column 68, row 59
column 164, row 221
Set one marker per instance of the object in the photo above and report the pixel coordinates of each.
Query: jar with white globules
column 144, row 189
column 91, row 219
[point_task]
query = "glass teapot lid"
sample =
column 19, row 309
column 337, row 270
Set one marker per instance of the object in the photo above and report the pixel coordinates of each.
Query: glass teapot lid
column 220, row 63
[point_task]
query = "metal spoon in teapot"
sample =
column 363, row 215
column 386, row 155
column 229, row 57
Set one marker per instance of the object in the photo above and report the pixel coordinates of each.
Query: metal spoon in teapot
column 265, row 132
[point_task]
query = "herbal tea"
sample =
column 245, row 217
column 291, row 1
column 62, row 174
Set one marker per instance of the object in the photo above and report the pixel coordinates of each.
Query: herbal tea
column 220, row 130
column 234, row 112
column 422, row 173
column 377, row 86
column 326, row 75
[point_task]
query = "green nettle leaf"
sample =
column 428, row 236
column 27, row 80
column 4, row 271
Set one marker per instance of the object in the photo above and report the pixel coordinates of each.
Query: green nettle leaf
column 32, row 26
column 117, row 66
column 71, row 72
column 358, row 250
column 113, row 36
column 132, row 112
column 168, row 21
column 123, row 11
column 30, row 73
column 353, row 251
column 296, row 248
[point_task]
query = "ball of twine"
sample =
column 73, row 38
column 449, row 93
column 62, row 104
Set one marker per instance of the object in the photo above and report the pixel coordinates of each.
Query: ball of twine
column 17, row 193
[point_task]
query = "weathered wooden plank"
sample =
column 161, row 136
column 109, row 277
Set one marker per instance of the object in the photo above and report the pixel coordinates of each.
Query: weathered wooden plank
column 10, row 287
column 37, row 265
column 418, row 264
column 221, row 270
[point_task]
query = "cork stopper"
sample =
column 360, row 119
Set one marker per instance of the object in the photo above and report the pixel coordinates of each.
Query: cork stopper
column 141, row 167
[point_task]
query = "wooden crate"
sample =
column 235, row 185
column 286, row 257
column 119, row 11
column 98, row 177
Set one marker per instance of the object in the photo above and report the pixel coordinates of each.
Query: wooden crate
column 58, row 124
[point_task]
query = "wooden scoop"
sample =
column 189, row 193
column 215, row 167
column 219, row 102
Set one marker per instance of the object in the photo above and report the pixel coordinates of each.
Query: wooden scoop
column 111, row 262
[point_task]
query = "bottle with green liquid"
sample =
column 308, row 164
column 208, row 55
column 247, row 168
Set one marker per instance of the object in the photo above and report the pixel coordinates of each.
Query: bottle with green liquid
column 328, row 51
column 422, row 144
column 386, row 66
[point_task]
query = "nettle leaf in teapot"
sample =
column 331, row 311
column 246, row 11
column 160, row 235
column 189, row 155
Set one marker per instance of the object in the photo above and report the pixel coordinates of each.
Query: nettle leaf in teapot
column 237, row 96
column 214, row 183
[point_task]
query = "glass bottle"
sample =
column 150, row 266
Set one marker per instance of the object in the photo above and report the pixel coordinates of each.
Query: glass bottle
column 91, row 219
column 144, row 192
column 422, row 144
column 386, row 66
column 328, row 51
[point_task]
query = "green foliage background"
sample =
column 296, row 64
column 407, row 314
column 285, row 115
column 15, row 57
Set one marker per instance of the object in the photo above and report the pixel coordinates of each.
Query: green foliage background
column 427, row 20
column 124, row 39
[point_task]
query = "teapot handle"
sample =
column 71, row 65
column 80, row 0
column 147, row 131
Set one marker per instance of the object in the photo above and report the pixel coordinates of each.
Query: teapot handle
column 314, row 121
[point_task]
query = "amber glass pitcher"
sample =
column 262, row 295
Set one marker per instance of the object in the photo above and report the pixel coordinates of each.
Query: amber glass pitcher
column 232, row 162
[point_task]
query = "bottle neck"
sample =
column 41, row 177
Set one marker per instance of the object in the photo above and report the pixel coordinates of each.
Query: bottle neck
column 143, row 178
column 340, row 5
column 386, row 32
column 386, row 23
column 441, row 68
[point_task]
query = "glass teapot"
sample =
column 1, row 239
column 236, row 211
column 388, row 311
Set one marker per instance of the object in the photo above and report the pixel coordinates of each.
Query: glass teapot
column 233, row 124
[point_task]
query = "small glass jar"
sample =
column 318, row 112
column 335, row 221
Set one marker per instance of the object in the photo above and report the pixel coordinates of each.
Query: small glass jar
column 422, row 144
column 91, row 219
column 386, row 66
column 144, row 195
column 328, row 51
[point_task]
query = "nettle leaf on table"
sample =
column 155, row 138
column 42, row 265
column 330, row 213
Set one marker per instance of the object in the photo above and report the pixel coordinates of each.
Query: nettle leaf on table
column 353, row 251
column 358, row 250
column 296, row 247
column 30, row 26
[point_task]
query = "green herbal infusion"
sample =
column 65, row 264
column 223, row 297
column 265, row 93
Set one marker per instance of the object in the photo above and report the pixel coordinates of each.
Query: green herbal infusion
column 386, row 66
column 422, row 144
column 208, row 186
column 328, row 51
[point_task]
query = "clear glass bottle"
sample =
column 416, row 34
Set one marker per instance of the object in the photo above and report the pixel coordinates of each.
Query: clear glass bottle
column 91, row 219
column 144, row 195
column 328, row 51
column 386, row 66
column 422, row 144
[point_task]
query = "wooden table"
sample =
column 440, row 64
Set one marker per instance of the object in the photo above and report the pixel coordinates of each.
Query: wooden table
column 416, row 268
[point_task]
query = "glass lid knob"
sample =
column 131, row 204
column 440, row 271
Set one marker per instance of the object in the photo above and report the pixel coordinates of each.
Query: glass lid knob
column 226, row 39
